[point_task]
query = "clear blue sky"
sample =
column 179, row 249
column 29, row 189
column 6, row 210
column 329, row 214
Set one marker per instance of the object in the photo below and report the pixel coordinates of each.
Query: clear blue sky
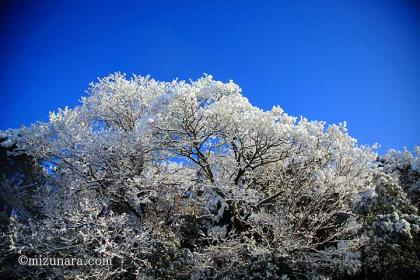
column 357, row 61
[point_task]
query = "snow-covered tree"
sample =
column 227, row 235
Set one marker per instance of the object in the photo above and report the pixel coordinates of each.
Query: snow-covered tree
column 20, row 197
column 189, row 180
column 391, row 221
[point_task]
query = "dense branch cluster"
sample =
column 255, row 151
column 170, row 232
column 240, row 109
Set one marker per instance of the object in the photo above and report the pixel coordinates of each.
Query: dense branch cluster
column 177, row 180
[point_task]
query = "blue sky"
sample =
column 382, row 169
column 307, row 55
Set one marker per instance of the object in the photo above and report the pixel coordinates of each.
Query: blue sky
column 354, row 61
